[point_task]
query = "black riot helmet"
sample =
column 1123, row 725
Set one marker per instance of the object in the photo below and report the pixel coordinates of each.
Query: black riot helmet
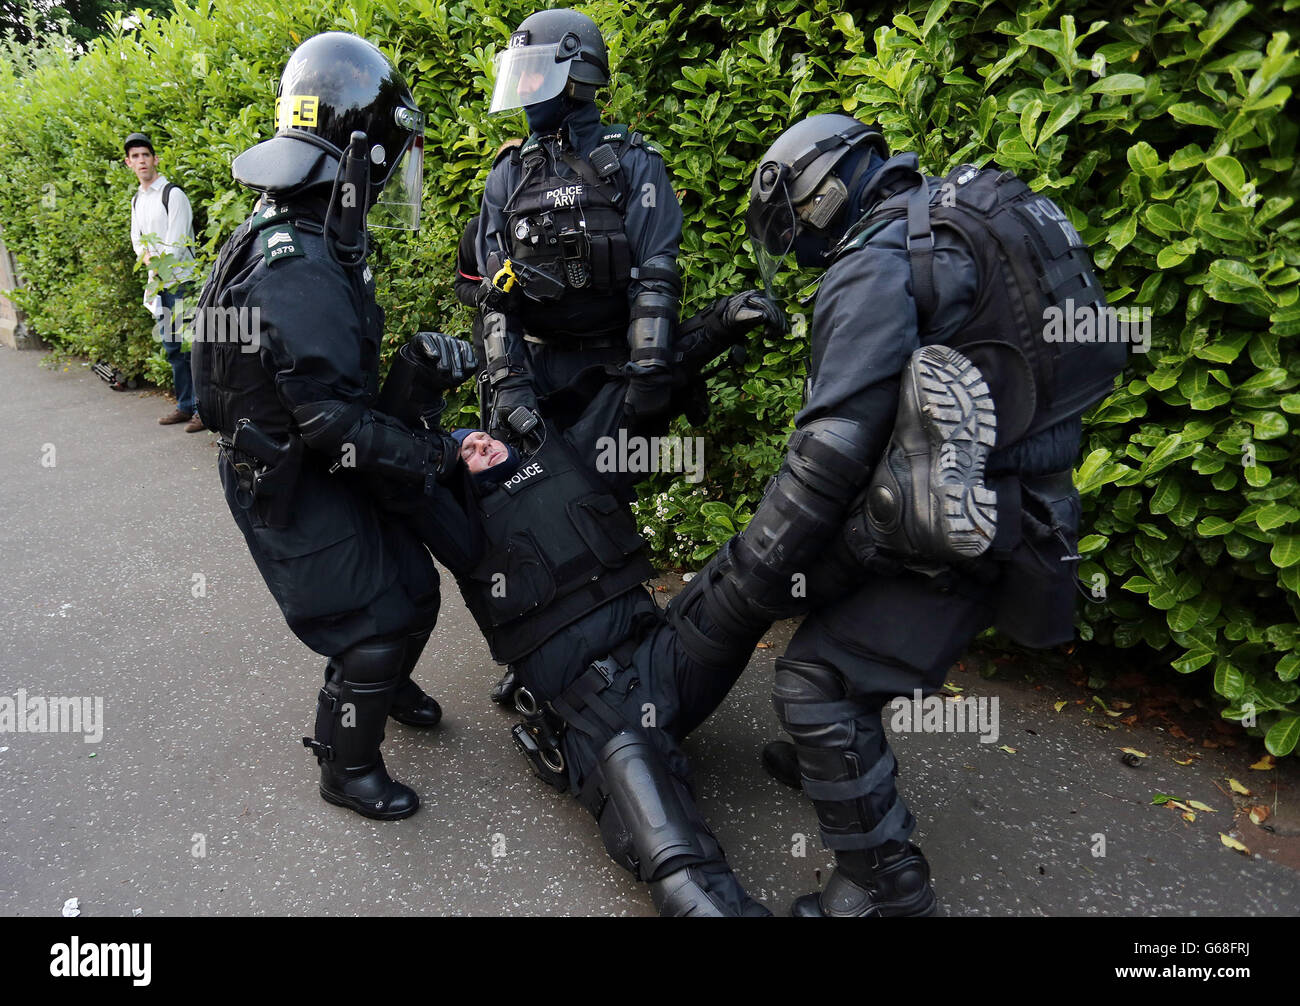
column 798, row 197
column 334, row 86
column 552, row 52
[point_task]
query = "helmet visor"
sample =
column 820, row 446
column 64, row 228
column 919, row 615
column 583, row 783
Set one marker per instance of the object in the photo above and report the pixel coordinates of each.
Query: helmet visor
column 771, row 228
column 527, row 75
column 398, row 205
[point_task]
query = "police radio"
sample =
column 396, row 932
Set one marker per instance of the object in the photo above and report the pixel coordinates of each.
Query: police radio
column 348, row 200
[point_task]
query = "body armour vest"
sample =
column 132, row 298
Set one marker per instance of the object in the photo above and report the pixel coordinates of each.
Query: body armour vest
column 233, row 367
column 557, row 547
column 1035, row 278
column 569, row 229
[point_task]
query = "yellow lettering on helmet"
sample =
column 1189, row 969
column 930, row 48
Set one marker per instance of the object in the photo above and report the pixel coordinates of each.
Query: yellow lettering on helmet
column 296, row 110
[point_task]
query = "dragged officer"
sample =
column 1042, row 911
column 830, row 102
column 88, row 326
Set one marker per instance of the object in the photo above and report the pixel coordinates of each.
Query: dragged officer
column 609, row 687
column 578, row 234
column 286, row 364
column 926, row 492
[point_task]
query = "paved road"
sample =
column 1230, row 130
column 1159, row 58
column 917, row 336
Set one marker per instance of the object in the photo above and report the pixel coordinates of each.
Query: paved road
column 199, row 798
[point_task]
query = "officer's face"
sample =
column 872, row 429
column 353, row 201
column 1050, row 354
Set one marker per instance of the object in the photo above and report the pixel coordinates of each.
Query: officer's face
column 480, row 452
column 530, row 83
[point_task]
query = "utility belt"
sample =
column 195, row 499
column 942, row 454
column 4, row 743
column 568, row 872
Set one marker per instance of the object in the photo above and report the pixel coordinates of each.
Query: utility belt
column 265, row 469
column 540, row 738
column 577, row 344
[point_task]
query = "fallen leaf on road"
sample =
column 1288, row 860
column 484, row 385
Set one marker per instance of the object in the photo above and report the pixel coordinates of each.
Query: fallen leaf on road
column 1188, row 816
column 1134, row 751
column 1104, row 708
column 1265, row 763
column 1232, row 843
column 1179, row 804
column 1197, row 805
column 1237, row 787
column 1260, row 814
column 1179, row 732
column 1008, row 750
column 1060, row 705
column 1160, row 798
column 764, row 646
column 1180, row 761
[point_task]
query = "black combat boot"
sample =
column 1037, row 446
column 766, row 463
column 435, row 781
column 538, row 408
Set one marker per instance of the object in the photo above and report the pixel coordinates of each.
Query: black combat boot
column 503, row 692
column 892, row 882
column 350, row 715
column 781, row 759
column 928, row 499
column 410, row 704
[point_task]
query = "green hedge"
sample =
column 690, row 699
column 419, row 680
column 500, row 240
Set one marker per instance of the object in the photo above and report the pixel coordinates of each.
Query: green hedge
column 1165, row 131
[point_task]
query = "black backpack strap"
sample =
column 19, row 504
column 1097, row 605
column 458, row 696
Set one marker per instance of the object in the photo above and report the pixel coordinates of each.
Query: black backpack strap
column 167, row 196
column 920, row 248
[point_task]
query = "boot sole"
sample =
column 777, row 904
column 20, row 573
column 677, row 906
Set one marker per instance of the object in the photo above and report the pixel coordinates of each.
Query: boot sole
column 962, row 425
column 928, row 909
column 342, row 801
column 418, row 724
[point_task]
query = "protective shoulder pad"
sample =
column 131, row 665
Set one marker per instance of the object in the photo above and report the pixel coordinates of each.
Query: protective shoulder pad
column 280, row 242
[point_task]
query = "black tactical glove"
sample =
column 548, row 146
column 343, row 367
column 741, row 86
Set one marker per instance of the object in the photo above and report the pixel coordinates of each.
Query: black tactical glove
column 447, row 362
column 507, row 396
column 649, row 390
column 488, row 296
column 725, row 323
column 444, row 456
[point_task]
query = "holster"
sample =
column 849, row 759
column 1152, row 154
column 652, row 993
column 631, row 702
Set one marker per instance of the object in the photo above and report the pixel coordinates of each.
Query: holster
column 267, row 469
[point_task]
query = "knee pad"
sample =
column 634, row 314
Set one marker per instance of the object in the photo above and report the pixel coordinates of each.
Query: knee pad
column 649, row 822
column 370, row 662
column 846, row 767
column 353, row 706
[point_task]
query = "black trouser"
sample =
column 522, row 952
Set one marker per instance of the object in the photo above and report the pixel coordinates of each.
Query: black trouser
column 650, row 690
column 664, row 688
column 341, row 572
column 845, row 663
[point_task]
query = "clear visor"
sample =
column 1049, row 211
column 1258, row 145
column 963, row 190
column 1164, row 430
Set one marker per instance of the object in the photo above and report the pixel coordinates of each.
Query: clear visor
column 398, row 205
column 771, row 228
column 527, row 75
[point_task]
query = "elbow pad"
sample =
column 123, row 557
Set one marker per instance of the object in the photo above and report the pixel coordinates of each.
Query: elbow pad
column 366, row 440
column 654, row 311
column 827, row 465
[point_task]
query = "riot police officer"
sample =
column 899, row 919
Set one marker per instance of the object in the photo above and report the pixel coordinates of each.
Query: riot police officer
column 578, row 234
column 286, row 363
column 609, row 686
column 926, row 492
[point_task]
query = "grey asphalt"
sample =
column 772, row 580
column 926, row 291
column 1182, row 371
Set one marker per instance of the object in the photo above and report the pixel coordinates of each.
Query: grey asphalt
column 199, row 799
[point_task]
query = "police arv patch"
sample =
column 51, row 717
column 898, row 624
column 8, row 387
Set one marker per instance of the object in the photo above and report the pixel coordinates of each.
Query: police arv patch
column 280, row 242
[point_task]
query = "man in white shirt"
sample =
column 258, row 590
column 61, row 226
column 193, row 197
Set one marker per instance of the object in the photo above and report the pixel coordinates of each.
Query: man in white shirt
column 161, row 228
